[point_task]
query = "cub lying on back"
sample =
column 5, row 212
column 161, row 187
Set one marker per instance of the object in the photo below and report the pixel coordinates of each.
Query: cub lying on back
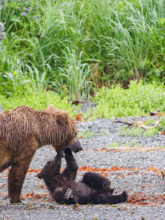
column 22, row 131
column 93, row 188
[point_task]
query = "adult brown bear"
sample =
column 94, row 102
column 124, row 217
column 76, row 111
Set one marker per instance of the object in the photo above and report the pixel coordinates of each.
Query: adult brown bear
column 22, row 131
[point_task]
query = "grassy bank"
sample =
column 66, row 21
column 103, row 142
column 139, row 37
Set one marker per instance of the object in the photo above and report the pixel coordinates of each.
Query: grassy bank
column 38, row 102
column 138, row 100
column 75, row 47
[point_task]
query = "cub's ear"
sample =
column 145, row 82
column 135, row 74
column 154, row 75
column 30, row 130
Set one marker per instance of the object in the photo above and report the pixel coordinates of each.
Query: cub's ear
column 51, row 108
column 40, row 175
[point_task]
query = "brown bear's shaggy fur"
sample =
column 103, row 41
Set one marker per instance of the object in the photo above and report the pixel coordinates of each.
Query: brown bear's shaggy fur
column 22, row 131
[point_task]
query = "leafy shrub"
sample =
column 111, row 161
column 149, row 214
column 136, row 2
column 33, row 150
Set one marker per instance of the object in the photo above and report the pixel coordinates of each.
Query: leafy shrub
column 162, row 123
column 138, row 100
column 38, row 101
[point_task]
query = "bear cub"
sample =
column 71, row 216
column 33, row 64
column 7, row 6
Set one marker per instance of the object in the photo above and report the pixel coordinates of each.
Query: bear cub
column 93, row 188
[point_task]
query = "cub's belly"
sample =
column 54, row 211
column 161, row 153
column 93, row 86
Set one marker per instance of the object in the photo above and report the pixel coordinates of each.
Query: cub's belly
column 81, row 193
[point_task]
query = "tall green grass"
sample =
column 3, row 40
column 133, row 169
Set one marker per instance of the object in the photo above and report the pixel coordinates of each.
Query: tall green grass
column 75, row 74
column 57, row 43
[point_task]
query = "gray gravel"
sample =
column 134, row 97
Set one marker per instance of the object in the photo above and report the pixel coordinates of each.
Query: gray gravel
column 102, row 134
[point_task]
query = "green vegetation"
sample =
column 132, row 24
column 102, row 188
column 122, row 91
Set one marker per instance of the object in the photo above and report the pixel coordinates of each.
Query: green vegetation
column 85, row 134
column 135, row 131
column 151, row 132
column 138, row 100
column 103, row 132
column 138, row 131
column 128, row 144
column 115, row 144
column 38, row 101
column 162, row 123
column 77, row 46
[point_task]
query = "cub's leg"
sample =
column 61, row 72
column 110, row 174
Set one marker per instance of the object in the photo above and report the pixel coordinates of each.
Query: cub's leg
column 17, row 175
column 72, row 167
column 106, row 198
column 96, row 181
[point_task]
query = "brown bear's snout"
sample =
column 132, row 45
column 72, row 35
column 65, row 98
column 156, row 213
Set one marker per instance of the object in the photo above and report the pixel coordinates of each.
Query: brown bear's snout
column 75, row 145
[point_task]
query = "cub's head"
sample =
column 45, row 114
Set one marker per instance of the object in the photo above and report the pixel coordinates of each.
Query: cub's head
column 51, row 168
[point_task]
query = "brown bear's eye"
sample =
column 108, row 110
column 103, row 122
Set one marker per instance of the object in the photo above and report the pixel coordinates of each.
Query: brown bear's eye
column 49, row 162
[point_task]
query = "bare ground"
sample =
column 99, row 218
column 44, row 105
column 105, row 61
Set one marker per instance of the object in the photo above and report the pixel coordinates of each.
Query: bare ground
column 134, row 169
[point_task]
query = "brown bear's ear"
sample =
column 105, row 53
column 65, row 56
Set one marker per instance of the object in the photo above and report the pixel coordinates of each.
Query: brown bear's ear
column 39, row 175
column 51, row 108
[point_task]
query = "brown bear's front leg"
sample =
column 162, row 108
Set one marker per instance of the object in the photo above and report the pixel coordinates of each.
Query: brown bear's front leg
column 16, row 177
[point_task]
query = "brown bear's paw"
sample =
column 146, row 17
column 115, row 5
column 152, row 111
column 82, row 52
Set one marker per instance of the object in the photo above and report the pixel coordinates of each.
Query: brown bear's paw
column 15, row 201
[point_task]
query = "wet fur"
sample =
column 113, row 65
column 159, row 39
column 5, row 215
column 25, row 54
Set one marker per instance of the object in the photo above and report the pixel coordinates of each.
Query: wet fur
column 22, row 131
column 93, row 188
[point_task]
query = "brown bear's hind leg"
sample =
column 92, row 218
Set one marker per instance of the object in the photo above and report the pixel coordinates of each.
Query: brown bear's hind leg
column 16, row 177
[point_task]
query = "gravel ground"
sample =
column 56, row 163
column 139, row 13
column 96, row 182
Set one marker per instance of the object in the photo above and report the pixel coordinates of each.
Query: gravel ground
column 137, row 172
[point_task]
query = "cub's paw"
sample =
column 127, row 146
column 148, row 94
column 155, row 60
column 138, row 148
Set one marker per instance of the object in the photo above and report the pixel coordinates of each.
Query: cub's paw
column 106, row 185
column 111, row 190
column 61, row 154
column 124, row 196
column 68, row 194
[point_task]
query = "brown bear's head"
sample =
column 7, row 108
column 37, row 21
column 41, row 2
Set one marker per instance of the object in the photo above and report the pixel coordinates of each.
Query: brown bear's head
column 67, row 131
